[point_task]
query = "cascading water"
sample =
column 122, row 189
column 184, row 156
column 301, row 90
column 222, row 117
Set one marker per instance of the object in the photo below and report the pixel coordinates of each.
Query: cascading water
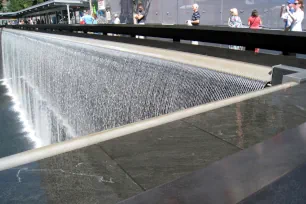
column 67, row 90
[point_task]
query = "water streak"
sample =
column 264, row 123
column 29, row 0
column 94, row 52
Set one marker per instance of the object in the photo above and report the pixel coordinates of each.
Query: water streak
column 27, row 128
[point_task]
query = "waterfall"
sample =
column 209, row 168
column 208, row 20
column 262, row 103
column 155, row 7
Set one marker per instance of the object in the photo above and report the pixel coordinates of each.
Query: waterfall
column 68, row 90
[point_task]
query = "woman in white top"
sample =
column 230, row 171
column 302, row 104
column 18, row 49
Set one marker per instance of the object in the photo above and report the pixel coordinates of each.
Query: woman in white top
column 297, row 17
column 234, row 21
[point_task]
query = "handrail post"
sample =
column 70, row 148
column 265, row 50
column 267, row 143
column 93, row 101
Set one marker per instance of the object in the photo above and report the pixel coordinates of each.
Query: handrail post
column 68, row 13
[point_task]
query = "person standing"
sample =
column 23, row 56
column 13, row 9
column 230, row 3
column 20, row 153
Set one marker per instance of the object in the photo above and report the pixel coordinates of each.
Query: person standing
column 195, row 20
column 234, row 21
column 297, row 17
column 88, row 19
column 255, row 22
column 140, row 16
column 284, row 13
column 116, row 19
column 95, row 17
column 108, row 15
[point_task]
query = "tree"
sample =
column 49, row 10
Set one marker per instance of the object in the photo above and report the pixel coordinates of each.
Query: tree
column 16, row 5
column 37, row 2
column 3, row 6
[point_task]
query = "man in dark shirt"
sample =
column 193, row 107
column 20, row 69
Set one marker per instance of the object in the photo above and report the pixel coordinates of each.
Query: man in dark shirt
column 195, row 19
column 140, row 16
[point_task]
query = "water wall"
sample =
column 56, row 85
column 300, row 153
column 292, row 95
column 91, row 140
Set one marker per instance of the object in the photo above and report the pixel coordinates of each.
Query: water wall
column 71, row 89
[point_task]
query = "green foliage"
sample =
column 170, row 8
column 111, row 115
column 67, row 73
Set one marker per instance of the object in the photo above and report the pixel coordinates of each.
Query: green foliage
column 16, row 5
column 37, row 1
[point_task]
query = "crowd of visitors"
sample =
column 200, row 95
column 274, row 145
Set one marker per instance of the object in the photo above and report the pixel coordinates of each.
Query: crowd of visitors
column 29, row 22
column 291, row 13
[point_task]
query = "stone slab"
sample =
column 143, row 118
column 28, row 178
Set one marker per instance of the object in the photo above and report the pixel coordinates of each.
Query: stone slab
column 249, row 122
column 236, row 177
column 83, row 176
column 292, row 100
column 290, row 188
column 162, row 154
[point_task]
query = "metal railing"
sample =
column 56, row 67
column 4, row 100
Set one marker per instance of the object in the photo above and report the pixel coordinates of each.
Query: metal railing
column 266, row 39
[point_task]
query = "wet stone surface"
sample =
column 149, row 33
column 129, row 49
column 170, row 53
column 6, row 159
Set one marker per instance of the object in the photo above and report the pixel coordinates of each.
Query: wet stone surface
column 162, row 154
column 84, row 176
column 249, row 122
